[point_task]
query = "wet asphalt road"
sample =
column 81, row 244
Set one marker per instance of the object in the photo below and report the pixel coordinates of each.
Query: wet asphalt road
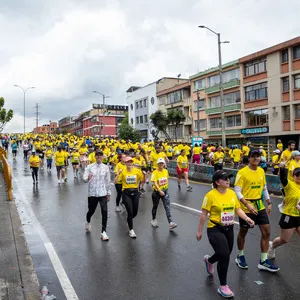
column 157, row 265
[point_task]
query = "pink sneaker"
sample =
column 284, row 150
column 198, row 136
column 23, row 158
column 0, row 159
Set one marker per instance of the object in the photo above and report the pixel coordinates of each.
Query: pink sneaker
column 225, row 291
column 209, row 267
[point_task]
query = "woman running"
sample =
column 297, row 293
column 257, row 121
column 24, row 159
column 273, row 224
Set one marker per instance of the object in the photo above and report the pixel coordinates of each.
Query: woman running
column 221, row 203
column 196, row 154
column 49, row 158
column 34, row 162
column 130, row 179
column 182, row 170
column 119, row 166
column 75, row 156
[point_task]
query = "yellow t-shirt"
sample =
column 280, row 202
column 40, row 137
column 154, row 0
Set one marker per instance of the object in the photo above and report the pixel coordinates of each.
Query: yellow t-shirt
column 75, row 157
column 59, row 158
column 92, row 158
column 221, row 207
column 34, row 161
column 236, row 153
column 187, row 149
column 275, row 161
column 49, row 154
column 119, row 166
column 169, row 151
column 280, row 146
column 115, row 159
column 231, row 154
column 292, row 198
column 131, row 180
column 161, row 178
column 292, row 165
column 155, row 156
column 83, row 151
column 196, row 150
column 218, row 157
column 139, row 163
column 285, row 156
column 246, row 150
column 252, row 184
column 183, row 162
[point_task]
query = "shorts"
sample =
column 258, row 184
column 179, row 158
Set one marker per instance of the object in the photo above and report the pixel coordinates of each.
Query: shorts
column 260, row 219
column 288, row 222
column 182, row 171
column 14, row 151
column 58, row 168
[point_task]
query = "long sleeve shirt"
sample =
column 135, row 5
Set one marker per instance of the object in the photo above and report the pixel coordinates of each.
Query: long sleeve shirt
column 99, row 184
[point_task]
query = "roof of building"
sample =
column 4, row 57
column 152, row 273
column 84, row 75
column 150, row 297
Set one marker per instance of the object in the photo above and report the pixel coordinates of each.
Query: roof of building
column 174, row 88
column 271, row 49
column 214, row 69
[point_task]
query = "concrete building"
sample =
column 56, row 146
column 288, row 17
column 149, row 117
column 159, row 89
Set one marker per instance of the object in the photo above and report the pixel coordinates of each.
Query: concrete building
column 142, row 103
column 67, row 124
column 47, row 128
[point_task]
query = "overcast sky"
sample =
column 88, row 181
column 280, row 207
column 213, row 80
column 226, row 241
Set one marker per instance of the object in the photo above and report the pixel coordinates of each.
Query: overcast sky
column 68, row 48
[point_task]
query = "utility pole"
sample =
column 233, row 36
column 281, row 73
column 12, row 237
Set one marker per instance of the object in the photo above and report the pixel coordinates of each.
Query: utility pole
column 36, row 115
column 198, row 112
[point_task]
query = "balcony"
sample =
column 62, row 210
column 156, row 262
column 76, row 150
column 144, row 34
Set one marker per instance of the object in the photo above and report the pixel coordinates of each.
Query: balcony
column 188, row 121
column 227, row 132
column 227, row 85
column 227, row 108
column 187, row 102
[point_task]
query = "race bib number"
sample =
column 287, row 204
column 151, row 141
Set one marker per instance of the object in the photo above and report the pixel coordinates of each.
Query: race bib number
column 131, row 179
column 162, row 181
column 75, row 159
column 220, row 161
column 184, row 165
column 298, row 205
column 227, row 218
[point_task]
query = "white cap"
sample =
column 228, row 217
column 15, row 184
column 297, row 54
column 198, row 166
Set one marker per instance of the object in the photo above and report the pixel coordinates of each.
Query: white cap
column 261, row 147
column 277, row 151
column 161, row 160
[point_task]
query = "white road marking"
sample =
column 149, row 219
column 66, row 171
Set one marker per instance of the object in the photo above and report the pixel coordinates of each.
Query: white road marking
column 193, row 209
column 60, row 271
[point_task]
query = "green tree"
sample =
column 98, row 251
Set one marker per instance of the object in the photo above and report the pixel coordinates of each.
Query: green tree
column 127, row 132
column 160, row 122
column 5, row 116
column 175, row 117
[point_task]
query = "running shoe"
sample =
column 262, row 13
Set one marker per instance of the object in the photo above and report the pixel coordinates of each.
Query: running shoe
column 172, row 225
column 189, row 188
column 154, row 223
column 241, row 262
column 104, row 236
column 142, row 191
column 209, row 266
column 271, row 251
column 267, row 266
column 87, row 227
column 65, row 179
column 118, row 209
column 58, row 181
column 225, row 291
column 179, row 187
column 132, row 234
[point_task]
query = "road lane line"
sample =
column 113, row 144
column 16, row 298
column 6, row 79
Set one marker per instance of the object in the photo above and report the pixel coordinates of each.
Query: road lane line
column 57, row 265
column 193, row 209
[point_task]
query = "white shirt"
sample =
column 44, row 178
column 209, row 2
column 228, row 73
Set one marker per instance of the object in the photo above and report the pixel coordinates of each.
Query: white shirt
column 99, row 184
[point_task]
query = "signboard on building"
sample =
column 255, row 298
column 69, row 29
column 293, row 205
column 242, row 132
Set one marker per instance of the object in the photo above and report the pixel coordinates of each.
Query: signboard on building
column 197, row 140
column 111, row 107
column 257, row 130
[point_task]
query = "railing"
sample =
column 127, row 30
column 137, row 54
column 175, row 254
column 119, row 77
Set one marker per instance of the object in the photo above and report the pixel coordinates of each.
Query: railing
column 7, row 172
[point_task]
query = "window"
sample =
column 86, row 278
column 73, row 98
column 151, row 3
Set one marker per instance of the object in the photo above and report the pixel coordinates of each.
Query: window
column 213, row 80
column 131, row 106
column 141, row 119
column 137, row 120
column 230, row 98
column 227, row 76
column 233, row 121
column 202, row 125
column 199, row 84
column 255, row 66
column 257, row 117
column 136, row 105
column 201, row 104
column 141, row 103
column 145, row 102
column 286, row 112
column 131, row 121
column 215, row 123
column 179, row 131
column 297, row 81
column 285, row 84
column 257, row 91
column 174, row 97
column 145, row 118
column 214, row 102
column 296, row 52
column 285, row 56
column 297, row 111
column 94, row 119
column 152, row 100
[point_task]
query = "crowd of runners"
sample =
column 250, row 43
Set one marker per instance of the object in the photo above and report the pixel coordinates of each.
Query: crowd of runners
column 132, row 165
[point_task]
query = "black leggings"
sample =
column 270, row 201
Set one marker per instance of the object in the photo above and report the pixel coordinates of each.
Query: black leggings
column 34, row 173
column 93, row 202
column 221, row 239
column 131, row 199
column 119, row 193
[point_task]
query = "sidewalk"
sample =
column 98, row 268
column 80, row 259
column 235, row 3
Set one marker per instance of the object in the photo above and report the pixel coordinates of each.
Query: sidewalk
column 18, row 279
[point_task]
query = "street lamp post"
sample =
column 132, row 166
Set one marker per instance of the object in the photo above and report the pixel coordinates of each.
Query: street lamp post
column 103, row 116
column 24, row 93
column 221, row 83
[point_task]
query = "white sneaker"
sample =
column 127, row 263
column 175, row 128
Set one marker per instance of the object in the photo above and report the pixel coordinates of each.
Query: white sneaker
column 58, row 181
column 132, row 234
column 87, row 227
column 118, row 209
column 154, row 223
column 172, row 225
column 104, row 236
column 271, row 251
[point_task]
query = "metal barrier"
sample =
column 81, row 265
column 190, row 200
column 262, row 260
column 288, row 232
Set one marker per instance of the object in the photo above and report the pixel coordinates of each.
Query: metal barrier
column 7, row 173
column 204, row 173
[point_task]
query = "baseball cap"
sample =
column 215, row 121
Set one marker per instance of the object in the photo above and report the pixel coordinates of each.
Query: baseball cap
column 33, row 151
column 128, row 158
column 254, row 151
column 100, row 153
column 295, row 153
column 160, row 160
column 296, row 172
column 277, row 151
column 220, row 174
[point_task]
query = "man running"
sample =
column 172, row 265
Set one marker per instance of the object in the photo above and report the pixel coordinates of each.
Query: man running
column 60, row 164
column 99, row 191
column 250, row 188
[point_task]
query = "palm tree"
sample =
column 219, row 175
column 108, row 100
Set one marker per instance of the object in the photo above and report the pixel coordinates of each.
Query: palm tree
column 176, row 117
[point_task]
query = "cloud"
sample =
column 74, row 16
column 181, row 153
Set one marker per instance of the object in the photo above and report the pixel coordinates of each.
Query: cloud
column 68, row 48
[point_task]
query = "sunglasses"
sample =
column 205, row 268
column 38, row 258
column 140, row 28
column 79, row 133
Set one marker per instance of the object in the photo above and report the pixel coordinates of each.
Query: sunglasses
column 297, row 174
column 225, row 178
